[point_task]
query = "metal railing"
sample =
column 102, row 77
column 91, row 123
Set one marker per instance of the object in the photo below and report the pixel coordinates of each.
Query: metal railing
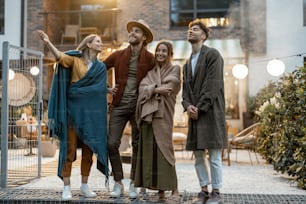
column 21, row 114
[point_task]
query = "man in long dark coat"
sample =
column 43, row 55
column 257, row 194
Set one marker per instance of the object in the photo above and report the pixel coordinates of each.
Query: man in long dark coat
column 203, row 99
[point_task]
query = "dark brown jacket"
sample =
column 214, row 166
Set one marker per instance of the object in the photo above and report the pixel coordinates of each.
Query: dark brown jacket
column 120, row 61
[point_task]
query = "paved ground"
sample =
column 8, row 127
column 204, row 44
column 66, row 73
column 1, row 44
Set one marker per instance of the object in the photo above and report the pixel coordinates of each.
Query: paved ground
column 242, row 183
column 240, row 177
column 39, row 196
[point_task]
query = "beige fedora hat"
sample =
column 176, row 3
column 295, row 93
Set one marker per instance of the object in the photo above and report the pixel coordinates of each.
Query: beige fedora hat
column 144, row 26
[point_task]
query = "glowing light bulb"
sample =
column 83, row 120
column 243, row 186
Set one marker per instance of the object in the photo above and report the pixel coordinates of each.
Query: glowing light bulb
column 34, row 70
column 276, row 67
column 240, row 71
column 11, row 74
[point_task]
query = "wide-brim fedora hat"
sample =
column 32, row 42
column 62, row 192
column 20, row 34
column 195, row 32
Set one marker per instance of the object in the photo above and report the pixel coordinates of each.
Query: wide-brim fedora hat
column 144, row 26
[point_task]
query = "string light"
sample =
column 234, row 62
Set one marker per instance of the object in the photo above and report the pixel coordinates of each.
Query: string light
column 269, row 59
column 240, row 71
column 11, row 74
column 276, row 67
column 34, row 70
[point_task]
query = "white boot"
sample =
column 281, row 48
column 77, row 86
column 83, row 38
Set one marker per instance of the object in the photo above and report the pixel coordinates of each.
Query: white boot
column 117, row 191
column 86, row 192
column 132, row 191
column 66, row 195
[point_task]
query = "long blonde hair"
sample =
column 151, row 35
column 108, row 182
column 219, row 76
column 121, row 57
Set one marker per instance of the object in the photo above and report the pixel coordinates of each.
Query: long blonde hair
column 83, row 44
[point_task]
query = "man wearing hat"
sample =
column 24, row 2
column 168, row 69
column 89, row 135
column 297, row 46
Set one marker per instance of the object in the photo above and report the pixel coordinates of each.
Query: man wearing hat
column 131, row 66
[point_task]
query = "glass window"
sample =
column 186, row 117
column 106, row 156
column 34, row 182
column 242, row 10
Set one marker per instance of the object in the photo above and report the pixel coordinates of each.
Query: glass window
column 213, row 12
column 181, row 5
column 181, row 20
column 231, row 94
column 304, row 12
column 1, row 16
column 213, row 4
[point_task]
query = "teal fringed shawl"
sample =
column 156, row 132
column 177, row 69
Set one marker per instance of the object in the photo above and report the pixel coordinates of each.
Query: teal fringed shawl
column 82, row 106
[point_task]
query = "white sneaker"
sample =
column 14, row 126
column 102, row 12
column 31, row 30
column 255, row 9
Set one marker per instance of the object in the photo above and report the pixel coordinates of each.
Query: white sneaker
column 66, row 195
column 132, row 191
column 86, row 192
column 117, row 191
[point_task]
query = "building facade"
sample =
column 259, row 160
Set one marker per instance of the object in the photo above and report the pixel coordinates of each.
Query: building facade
column 244, row 31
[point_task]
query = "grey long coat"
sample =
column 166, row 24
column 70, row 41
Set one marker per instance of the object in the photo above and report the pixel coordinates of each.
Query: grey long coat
column 205, row 91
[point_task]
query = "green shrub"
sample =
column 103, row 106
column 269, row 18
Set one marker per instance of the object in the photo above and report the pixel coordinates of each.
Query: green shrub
column 282, row 113
column 266, row 115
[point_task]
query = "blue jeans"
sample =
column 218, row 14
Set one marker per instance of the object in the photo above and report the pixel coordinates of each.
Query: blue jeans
column 203, row 170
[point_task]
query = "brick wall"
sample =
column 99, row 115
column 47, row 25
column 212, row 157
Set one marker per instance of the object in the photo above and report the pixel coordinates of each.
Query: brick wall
column 35, row 22
column 257, row 30
column 157, row 16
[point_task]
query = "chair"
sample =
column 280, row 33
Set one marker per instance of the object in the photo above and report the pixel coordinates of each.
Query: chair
column 179, row 141
column 224, row 156
column 246, row 139
column 106, row 36
column 84, row 31
column 70, row 34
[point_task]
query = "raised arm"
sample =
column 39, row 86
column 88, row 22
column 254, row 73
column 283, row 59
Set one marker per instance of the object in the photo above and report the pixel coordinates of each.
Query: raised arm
column 44, row 37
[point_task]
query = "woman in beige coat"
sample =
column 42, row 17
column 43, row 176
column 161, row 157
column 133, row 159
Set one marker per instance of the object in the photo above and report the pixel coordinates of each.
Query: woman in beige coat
column 155, row 167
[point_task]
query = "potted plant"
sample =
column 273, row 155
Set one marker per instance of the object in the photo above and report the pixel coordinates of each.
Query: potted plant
column 48, row 144
column 248, row 116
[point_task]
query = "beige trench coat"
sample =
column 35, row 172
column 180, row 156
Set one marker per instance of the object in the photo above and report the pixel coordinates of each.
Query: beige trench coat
column 159, row 109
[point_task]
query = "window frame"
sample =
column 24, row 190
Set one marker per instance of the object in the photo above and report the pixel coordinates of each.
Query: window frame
column 196, row 12
column 2, row 17
column 304, row 12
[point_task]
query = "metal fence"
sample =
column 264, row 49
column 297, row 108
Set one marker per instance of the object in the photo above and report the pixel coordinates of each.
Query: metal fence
column 21, row 114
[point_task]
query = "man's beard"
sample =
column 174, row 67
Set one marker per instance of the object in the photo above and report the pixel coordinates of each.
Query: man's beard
column 134, row 41
column 193, row 41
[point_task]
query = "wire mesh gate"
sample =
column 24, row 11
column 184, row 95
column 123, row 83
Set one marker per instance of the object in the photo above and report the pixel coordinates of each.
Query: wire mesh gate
column 21, row 114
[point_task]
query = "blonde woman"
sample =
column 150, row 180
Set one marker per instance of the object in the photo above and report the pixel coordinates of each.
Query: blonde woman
column 78, row 109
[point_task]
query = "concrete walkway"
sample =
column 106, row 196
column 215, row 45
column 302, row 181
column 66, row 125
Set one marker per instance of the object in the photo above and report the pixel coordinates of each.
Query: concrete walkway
column 239, row 178
column 243, row 183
